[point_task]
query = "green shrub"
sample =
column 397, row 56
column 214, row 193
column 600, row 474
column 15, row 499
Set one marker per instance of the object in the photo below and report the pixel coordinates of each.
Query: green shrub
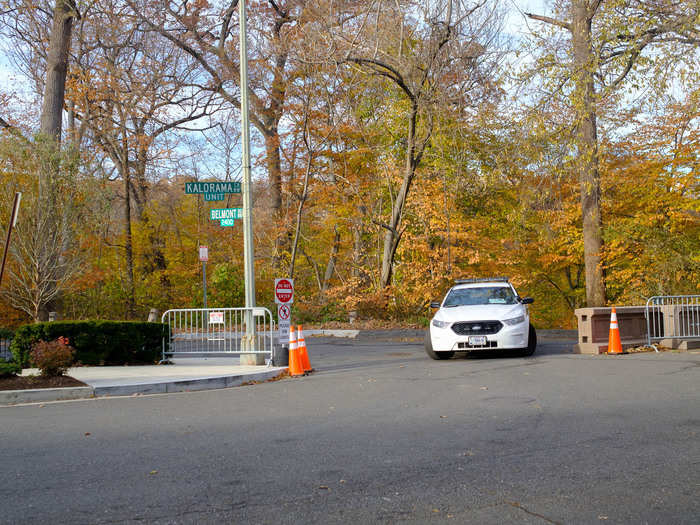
column 95, row 342
column 6, row 333
column 9, row 369
column 52, row 358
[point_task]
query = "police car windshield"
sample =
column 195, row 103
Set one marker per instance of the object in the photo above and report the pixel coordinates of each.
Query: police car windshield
column 480, row 295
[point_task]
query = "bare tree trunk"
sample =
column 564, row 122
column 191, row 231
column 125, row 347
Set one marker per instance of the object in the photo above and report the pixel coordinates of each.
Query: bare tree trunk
column 300, row 210
column 51, row 118
column 392, row 235
column 274, row 167
column 589, row 177
column 128, row 248
column 56, row 70
column 330, row 267
column 357, row 260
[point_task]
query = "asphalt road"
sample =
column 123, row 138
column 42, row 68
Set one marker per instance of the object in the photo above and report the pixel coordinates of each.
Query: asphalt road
column 379, row 434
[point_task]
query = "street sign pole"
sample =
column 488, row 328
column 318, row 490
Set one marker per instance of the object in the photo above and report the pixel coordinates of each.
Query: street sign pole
column 249, row 269
column 204, row 278
column 203, row 258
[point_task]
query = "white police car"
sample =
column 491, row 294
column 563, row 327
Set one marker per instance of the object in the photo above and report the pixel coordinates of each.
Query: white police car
column 480, row 314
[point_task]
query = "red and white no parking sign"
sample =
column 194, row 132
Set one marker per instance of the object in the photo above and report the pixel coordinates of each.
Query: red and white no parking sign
column 284, row 312
column 284, row 291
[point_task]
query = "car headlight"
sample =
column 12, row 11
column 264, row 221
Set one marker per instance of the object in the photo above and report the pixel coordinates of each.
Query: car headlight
column 514, row 320
column 440, row 324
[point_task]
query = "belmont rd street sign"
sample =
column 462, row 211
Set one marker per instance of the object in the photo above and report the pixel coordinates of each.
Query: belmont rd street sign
column 212, row 187
column 226, row 213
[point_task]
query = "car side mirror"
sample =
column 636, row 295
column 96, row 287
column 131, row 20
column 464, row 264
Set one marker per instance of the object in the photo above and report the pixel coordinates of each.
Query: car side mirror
column 527, row 300
column 434, row 305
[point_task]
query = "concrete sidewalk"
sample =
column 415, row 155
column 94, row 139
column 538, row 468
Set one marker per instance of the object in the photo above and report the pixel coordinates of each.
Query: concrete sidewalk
column 186, row 374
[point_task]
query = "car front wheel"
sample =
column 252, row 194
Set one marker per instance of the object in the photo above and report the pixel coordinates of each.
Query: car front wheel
column 531, row 343
column 433, row 354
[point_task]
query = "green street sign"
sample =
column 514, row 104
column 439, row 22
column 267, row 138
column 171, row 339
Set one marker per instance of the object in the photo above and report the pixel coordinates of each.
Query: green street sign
column 226, row 213
column 227, row 222
column 212, row 187
column 214, row 196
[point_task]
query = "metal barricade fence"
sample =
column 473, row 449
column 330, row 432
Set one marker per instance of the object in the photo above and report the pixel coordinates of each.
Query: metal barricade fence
column 206, row 331
column 673, row 317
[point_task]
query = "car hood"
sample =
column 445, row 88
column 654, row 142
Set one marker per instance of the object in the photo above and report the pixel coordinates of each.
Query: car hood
column 484, row 312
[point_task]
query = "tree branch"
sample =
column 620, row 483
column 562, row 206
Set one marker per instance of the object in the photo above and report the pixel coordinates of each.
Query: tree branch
column 548, row 20
column 383, row 69
column 593, row 8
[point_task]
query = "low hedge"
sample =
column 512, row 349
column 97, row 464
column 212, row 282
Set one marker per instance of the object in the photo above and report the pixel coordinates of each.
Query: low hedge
column 96, row 342
column 9, row 369
column 6, row 333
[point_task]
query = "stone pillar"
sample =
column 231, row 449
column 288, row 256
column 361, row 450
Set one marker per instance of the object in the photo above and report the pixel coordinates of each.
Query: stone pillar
column 252, row 359
column 594, row 326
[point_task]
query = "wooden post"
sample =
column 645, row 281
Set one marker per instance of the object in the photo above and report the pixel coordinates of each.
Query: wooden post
column 13, row 221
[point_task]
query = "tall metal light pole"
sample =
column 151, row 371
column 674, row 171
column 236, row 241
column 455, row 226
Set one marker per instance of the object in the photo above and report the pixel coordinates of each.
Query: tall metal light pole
column 248, row 256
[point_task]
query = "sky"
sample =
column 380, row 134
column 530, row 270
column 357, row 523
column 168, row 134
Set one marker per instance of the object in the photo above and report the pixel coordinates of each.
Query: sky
column 13, row 82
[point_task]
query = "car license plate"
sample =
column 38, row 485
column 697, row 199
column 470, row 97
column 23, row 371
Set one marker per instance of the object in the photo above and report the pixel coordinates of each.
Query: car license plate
column 477, row 340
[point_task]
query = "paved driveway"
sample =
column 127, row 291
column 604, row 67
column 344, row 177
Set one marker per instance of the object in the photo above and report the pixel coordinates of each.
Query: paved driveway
column 379, row 434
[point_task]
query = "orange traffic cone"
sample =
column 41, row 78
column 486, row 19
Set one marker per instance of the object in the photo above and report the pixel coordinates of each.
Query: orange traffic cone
column 305, row 362
column 295, row 367
column 614, row 343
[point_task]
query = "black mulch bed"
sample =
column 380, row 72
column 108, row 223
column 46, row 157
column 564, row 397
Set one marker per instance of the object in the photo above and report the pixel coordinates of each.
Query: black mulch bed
column 28, row 382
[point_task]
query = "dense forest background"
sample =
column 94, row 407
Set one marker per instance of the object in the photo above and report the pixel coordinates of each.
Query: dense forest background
column 398, row 145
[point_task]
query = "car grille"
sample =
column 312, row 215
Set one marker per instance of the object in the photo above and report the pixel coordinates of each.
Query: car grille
column 477, row 328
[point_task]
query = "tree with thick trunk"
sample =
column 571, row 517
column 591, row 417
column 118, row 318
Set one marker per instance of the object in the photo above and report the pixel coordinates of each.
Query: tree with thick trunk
column 614, row 54
column 57, row 69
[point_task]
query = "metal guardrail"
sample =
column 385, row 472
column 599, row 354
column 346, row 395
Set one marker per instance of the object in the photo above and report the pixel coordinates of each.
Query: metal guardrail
column 673, row 317
column 196, row 331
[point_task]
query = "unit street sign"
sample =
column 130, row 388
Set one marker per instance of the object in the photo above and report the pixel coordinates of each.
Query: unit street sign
column 214, row 196
column 226, row 213
column 212, row 187
column 227, row 222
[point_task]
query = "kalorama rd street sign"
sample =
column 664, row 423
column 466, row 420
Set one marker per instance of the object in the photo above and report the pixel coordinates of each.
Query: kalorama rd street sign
column 212, row 187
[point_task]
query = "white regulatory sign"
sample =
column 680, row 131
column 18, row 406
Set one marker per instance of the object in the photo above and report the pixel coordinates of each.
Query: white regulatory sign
column 203, row 253
column 216, row 317
column 284, row 314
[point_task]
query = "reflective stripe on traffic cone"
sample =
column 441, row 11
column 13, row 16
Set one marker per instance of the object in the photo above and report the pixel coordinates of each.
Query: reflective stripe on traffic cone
column 614, row 343
column 295, row 368
column 303, row 352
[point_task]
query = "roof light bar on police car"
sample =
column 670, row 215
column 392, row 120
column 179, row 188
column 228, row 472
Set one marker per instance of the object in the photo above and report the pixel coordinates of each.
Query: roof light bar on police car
column 482, row 280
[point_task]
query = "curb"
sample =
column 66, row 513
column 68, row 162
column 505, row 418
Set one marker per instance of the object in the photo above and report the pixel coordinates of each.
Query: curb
column 351, row 334
column 184, row 385
column 42, row 395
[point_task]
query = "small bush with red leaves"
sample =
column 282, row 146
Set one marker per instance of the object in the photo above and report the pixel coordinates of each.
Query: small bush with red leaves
column 53, row 358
